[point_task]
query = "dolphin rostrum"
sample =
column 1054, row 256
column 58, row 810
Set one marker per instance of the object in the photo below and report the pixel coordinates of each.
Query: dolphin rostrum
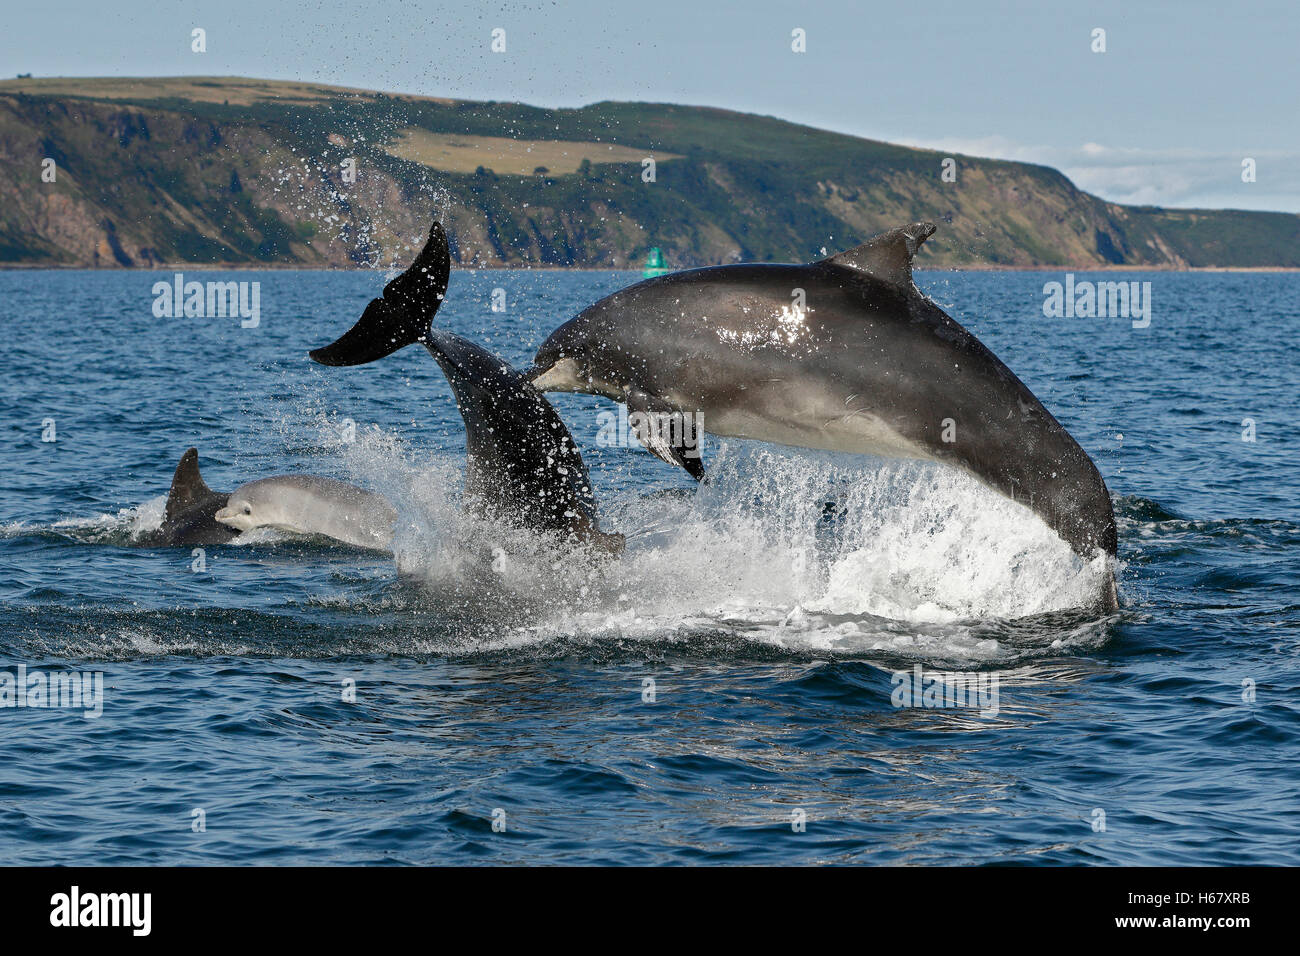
column 843, row 354
column 521, row 462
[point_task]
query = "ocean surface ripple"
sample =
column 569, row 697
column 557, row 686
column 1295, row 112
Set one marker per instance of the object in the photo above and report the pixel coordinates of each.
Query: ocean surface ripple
column 724, row 693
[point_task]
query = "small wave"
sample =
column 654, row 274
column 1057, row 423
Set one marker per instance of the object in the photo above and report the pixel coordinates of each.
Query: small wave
column 122, row 527
column 1137, row 508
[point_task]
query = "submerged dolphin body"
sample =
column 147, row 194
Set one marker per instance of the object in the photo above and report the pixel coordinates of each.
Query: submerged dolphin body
column 190, row 515
column 522, row 463
column 843, row 354
column 308, row 504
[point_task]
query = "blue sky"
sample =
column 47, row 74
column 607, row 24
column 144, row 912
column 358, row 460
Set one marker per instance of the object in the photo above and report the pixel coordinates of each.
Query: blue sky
column 1184, row 91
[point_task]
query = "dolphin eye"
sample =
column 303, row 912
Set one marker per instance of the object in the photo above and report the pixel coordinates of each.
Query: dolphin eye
column 247, row 510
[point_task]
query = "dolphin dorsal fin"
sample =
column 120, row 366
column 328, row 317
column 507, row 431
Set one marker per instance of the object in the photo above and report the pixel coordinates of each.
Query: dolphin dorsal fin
column 187, row 484
column 888, row 256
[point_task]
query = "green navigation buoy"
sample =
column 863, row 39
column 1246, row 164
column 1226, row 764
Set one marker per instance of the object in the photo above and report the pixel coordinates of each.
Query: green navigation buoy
column 654, row 264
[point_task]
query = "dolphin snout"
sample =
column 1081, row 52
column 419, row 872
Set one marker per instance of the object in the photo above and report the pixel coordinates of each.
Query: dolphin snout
column 562, row 375
column 224, row 515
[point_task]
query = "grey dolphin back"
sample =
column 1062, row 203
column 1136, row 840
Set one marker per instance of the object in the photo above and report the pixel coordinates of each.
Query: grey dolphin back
column 1017, row 447
column 189, row 516
column 521, row 459
column 1026, row 454
column 402, row 315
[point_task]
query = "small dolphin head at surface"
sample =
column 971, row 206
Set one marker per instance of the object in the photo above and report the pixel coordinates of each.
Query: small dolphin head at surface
column 246, row 510
column 268, row 503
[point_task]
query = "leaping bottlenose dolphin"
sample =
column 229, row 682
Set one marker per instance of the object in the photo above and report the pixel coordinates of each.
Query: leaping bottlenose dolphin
column 842, row 354
column 521, row 462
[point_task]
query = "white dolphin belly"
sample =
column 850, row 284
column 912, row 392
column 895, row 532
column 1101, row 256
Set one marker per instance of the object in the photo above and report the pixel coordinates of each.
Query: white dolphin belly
column 857, row 432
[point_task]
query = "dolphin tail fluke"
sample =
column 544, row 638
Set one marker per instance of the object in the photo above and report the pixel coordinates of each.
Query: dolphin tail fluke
column 188, row 486
column 403, row 315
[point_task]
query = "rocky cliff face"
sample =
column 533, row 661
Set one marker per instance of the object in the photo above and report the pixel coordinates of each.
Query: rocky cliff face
column 239, row 172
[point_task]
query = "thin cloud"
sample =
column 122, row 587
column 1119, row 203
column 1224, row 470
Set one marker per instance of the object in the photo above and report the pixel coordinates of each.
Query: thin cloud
column 1176, row 177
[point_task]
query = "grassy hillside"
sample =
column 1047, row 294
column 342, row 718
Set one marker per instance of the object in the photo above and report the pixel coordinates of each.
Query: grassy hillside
column 238, row 171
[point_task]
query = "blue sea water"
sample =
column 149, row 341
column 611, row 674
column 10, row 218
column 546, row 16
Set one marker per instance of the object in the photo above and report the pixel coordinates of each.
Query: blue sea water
column 730, row 676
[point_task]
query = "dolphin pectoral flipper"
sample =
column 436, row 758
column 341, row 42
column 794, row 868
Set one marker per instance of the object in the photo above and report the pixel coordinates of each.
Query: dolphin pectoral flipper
column 403, row 315
column 887, row 257
column 668, row 434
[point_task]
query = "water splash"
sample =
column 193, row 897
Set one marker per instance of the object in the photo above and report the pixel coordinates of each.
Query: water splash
column 800, row 550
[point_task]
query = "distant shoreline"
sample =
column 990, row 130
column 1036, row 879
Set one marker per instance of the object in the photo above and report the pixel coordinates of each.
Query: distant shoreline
column 193, row 166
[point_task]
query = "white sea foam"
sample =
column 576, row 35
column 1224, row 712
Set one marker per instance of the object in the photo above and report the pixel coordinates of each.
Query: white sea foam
column 912, row 560
column 131, row 522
